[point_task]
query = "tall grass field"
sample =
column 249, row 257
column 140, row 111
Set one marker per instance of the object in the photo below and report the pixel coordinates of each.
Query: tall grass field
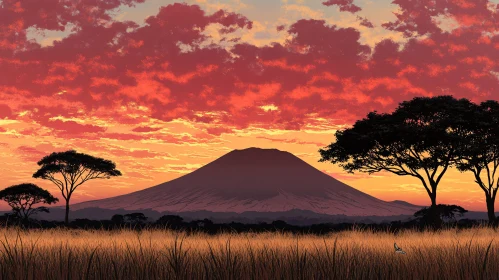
column 162, row 254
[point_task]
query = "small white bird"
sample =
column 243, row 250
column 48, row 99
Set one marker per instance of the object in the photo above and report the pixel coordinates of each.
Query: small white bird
column 398, row 250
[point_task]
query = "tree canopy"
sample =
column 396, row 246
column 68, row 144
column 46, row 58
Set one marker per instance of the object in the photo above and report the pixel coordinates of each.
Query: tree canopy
column 418, row 139
column 446, row 212
column 135, row 218
column 23, row 197
column 170, row 220
column 70, row 169
column 479, row 150
column 118, row 219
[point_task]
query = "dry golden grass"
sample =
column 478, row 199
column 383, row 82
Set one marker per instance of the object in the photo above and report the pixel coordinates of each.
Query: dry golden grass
column 157, row 254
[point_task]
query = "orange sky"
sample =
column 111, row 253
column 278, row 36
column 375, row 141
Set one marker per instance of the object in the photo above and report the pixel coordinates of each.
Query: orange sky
column 162, row 88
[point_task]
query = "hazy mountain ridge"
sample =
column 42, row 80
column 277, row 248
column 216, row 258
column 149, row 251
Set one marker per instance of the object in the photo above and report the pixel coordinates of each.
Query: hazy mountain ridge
column 295, row 216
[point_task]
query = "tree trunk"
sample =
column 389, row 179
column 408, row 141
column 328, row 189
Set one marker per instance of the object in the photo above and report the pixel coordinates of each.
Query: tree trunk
column 433, row 198
column 66, row 218
column 434, row 218
column 490, row 209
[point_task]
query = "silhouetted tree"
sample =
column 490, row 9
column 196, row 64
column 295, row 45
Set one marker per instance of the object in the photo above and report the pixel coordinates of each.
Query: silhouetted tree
column 118, row 219
column 279, row 224
column 23, row 197
column 479, row 151
column 74, row 169
column 170, row 220
column 444, row 211
column 135, row 218
column 84, row 223
column 414, row 140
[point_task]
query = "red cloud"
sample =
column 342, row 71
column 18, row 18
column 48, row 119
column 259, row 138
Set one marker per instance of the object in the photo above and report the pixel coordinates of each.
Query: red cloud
column 365, row 22
column 145, row 129
column 72, row 127
column 292, row 141
column 16, row 16
column 217, row 131
column 138, row 175
column 420, row 17
column 31, row 154
column 122, row 136
column 230, row 21
column 5, row 111
column 345, row 5
column 170, row 68
column 138, row 153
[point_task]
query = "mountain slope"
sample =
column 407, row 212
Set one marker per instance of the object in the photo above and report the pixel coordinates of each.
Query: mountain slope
column 261, row 180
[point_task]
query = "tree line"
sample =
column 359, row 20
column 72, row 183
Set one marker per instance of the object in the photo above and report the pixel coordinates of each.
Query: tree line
column 138, row 222
column 422, row 138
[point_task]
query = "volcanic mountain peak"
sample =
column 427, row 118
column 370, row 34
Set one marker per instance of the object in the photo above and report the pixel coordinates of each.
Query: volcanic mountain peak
column 256, row 150
column 258, row 156
column 254, row 179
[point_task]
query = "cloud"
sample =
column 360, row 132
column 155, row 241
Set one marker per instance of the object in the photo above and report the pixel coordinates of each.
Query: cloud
column 146, row 129
column 344, row 5
column 17, row 16
column 30, row 154
column 348, row 176
column 292, row 141
column 5, row 111
column 138, row 153
column 34, row 152
column 138, row 175
column 302, row 11
column 72, row 127
column 365, row 22
column 416, row 18
column 217, row 131
column 172, row 68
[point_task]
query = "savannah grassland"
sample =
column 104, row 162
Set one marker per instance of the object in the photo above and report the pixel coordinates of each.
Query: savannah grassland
column 163, row 254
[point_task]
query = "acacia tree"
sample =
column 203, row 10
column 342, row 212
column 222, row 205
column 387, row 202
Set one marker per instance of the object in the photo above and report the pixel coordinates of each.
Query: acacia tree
column 170, row 220
column 117, row 219
column 418, row 139
column 479, row 151
column 23, row 197
column 68, row 170
column 445, row 211
column 135, row 218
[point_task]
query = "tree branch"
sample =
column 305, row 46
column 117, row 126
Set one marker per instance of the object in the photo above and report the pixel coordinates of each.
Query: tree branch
column 478, row 180
column 442, row 173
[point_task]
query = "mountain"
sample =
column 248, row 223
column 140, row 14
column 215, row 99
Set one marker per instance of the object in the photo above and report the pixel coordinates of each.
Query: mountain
column 254, row 180
column 401, row 202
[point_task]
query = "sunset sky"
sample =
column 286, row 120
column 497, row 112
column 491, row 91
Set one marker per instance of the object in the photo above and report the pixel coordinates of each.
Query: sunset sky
column 164, row 87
